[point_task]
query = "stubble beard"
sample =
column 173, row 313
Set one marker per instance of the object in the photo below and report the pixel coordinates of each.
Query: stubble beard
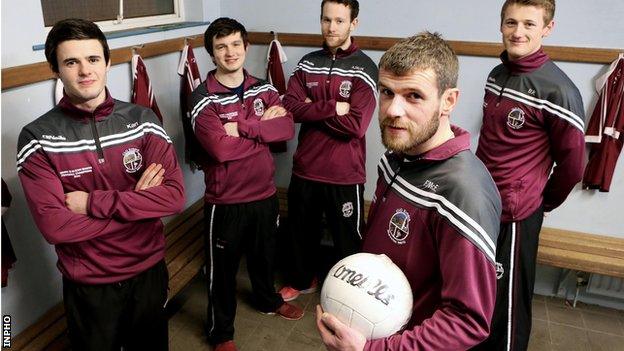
column 340, row 44
column 416, row 137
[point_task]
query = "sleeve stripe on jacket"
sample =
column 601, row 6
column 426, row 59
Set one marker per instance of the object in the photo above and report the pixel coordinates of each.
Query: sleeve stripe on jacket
column 556, row 110
column 208, row 100
column 212, row 98
column 227, row 100
column 340, row 72
column 468, row 226
column 89, row 144
column 257, row 90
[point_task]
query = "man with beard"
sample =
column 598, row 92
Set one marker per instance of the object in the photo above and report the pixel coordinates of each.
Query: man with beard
column 443, row 198
column 332, row 94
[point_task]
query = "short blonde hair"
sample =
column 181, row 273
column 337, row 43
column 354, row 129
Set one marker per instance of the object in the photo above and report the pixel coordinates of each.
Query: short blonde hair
column 547, row 5
column 423, row 51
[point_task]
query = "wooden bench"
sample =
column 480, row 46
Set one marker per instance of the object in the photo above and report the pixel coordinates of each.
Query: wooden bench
column 581, row 252
column 577, row 252
column 184, row 258
column 559, row 248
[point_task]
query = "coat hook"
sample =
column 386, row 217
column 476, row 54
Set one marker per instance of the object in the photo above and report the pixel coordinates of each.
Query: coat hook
column 188, row 39
column 134, row 48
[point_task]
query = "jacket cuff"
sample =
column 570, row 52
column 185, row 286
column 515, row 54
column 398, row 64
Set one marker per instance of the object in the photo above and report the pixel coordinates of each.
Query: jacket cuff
column 332, row 104
column 249, row 128
column 90, row 210
column 100, row 203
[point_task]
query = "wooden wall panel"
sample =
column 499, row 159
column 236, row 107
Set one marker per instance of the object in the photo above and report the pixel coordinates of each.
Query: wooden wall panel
column 27, row 74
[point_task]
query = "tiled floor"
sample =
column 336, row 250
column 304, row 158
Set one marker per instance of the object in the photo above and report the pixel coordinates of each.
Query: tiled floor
column 555, row 326
column 586, row 327
column 254, row 331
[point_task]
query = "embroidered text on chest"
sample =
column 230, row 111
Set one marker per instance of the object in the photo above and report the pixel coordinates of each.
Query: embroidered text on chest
column 228, row 115
column 76, row 173
column 430, row 185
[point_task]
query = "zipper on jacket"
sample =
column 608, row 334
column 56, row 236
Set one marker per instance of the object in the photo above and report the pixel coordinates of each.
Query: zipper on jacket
column 331, row 68
column 96, row 137
column 241, row 97
column 500, row 95
column 392, row 180
column 242, row 104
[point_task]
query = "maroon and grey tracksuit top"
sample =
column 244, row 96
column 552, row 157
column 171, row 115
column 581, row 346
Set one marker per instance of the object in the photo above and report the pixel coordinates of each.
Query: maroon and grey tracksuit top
column 238, row 169
column 437, row 216
column 331, row 148
column 104, row 153
column 532, row 117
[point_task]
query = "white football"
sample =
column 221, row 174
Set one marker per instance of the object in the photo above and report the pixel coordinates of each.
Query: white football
column 369, row 293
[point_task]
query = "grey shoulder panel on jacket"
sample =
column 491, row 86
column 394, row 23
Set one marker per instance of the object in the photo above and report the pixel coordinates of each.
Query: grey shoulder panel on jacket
column 52, row 125
column 367, row 64
column 459, row 189
column 561, row 90
column 547, row 89
column 472, row 190
column 316, row 58
column 198, row 94
column 126, row 112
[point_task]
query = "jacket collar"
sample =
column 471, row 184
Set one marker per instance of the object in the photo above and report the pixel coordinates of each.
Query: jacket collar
column 100, row 112
column 214, row 87
column 526, row 64
column 342, row 53
column 448, row 149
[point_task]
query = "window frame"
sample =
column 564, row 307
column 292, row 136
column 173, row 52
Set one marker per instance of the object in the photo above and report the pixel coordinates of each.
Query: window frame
column 109, row 26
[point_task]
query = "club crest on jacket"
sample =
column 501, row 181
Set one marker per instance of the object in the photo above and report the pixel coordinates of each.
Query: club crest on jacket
column 345, row 88
column 398, row 228
column 132, row 160
column 258, row 107
column 515, row 118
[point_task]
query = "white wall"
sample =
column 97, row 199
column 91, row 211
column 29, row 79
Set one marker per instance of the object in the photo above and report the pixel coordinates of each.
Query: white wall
column 35, row 283
column 578, row 23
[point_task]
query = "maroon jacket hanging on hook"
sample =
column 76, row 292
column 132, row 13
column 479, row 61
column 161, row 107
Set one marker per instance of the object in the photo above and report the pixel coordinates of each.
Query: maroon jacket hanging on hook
column 275, row 76
column 606, row 128
column 142, row 93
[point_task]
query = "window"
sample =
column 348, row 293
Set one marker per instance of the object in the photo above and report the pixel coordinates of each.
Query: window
column 113, row 15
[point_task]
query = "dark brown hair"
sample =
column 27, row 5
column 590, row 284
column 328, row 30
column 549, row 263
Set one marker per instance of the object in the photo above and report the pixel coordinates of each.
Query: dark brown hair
column 222, row 27
column 354, row 5
column 72, row 29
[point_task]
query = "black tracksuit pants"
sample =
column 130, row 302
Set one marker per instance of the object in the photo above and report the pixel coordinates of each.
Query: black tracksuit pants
column 230, row 231
column 343, row 206
column 128, row 314
column 516, row 251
